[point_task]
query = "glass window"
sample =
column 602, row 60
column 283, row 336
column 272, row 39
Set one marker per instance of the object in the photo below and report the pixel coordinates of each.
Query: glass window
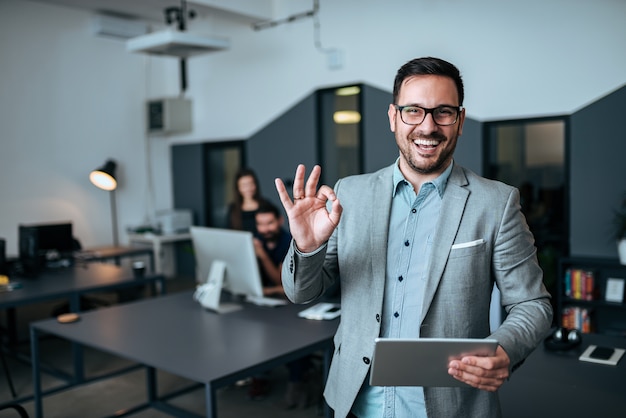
column 530, row 155
column 340, row 132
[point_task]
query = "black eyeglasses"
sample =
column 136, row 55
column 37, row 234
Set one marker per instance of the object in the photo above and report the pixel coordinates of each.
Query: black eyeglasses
column 442, row 115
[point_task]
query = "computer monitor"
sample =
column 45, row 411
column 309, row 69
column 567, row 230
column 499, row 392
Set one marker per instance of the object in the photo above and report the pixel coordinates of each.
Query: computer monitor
column 44, row 242
column 225, row 259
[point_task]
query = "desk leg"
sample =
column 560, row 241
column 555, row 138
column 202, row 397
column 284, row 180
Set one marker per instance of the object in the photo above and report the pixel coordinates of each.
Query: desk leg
column 34, row 348
column 12, row 328
column 158, row 254
column 211, row 407
column 152, row 263
column 162, row 287
column 151, row 384
column 77, row 349
column 157, row 287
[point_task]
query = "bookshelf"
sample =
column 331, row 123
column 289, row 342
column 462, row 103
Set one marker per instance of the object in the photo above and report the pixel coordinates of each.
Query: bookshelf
column 582, row 299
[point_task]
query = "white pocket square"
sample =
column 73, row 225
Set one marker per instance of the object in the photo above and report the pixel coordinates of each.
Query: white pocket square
column 468, row 244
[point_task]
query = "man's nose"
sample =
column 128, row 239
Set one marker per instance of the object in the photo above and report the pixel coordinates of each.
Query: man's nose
column 428, row 123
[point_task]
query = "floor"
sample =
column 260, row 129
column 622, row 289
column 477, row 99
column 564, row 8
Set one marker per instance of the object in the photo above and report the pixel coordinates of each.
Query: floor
column 108, row 397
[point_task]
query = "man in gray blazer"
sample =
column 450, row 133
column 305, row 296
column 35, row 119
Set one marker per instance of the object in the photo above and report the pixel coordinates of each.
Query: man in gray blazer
column 416, row 248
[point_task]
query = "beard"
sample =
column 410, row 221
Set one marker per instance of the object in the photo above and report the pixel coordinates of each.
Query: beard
column 271, row 236
column 423, row 165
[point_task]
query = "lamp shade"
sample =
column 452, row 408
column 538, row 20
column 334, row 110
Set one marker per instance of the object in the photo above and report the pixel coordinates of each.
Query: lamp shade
column 104, row 177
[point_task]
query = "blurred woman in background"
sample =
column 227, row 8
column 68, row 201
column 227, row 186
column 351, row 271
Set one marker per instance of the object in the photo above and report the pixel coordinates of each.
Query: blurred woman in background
column 247, row 200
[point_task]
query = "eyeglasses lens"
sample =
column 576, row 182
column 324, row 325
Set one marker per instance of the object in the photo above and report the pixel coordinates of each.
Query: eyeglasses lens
column 442, row 115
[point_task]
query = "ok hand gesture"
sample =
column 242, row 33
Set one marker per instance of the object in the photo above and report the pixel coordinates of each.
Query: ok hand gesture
column 310, row 223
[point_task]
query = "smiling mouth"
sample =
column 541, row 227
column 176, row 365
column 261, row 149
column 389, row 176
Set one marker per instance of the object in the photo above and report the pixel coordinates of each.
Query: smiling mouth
column 426, row 144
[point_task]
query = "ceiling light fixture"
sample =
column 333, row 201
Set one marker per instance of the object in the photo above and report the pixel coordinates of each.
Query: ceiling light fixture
column 348, row 91
column 345, row 117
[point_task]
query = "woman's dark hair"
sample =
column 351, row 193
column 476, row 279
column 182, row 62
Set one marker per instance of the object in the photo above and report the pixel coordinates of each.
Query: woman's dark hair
column 235, row 210
column 428, row 66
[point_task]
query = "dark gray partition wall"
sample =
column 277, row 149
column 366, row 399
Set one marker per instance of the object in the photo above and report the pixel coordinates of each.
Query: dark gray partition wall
column 379, row 144
column 188, row 180
column 597, row 174
column 469, row 148
column 279, row 147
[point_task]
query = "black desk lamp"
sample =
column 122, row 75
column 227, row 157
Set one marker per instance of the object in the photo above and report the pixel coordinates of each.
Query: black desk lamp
column 104, row 178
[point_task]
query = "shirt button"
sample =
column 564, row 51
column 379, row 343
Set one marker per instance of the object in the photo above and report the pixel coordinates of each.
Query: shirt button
column 400, row 278
column 406, row 243
column 413, row 210
column 377, row 317
column 396, row 314
column 366, row 360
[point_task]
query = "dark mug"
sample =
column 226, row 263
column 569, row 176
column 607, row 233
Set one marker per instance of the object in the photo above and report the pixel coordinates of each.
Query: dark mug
column 139, row 269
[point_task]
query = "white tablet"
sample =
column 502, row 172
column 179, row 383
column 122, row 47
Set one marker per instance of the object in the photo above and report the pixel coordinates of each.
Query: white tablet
column 422, row 361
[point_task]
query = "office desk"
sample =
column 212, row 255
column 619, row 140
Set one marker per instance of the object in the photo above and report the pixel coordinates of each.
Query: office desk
column 71, row 283
column 557, row 384
column 164, row 263
column 175, row 334
column 115, row 253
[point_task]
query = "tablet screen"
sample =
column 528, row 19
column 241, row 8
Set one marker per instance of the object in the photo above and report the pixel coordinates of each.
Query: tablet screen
column 422, row 361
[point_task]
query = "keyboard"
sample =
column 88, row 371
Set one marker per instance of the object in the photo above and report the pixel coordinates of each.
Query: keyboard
column 265, row 301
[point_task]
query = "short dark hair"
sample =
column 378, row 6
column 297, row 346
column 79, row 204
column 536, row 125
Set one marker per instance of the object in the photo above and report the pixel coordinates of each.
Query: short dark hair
column 268, row 207
column 428, row 66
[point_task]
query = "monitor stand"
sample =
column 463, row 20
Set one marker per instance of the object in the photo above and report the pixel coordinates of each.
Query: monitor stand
column 209, row 294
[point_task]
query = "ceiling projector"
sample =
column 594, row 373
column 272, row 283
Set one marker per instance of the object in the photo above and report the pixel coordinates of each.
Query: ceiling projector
column 175, row 43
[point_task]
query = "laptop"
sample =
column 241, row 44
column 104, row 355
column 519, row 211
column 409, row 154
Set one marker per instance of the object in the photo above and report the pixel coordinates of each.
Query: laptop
column 422, row 361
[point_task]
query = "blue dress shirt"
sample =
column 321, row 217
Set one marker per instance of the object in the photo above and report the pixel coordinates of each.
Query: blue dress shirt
column 411, row 228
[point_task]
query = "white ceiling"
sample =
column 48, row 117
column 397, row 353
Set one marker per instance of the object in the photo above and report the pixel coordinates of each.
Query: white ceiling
column 246, row 11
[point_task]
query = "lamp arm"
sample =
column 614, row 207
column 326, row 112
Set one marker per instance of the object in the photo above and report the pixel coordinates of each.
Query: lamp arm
column 114, row 218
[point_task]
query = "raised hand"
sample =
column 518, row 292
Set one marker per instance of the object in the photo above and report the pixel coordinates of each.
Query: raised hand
column 310, row 223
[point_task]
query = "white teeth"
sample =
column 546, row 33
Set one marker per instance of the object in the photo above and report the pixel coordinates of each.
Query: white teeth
column 426, row 142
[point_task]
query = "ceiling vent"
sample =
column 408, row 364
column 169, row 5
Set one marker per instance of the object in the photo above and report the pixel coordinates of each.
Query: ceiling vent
column 175, row 43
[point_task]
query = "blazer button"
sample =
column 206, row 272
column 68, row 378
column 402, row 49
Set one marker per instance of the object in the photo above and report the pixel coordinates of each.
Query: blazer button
column 366, row 360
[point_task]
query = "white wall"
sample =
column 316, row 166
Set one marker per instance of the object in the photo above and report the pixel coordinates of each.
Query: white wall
column 69, row 99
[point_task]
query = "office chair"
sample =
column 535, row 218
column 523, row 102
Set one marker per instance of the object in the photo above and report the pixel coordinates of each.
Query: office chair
column 18, row 408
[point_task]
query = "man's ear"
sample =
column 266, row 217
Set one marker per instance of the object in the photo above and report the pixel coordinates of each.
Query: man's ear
column 392, row 113
column 461, row 121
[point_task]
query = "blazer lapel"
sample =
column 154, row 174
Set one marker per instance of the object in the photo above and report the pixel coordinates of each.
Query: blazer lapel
column 453, row 205
column 382, row 188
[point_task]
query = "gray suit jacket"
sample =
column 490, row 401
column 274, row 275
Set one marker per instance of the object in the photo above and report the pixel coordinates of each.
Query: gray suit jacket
column 457, row 295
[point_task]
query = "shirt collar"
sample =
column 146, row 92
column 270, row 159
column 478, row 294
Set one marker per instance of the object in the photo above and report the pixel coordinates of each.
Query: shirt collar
column 439, row 183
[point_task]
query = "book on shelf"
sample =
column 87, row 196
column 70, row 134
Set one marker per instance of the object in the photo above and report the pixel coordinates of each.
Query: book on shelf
column 575, row 317
column 580, row 284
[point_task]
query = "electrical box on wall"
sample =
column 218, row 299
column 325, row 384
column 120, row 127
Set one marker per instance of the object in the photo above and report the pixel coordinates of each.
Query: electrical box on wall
column 169, row 115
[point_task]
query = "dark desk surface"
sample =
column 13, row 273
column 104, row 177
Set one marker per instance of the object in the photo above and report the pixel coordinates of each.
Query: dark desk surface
column 111, row 252
column 63, row 281
column 557, row 384
column 175, row 334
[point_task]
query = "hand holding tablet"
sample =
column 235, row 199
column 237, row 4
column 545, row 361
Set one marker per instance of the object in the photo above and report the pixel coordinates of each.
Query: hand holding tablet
column 423, row 361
